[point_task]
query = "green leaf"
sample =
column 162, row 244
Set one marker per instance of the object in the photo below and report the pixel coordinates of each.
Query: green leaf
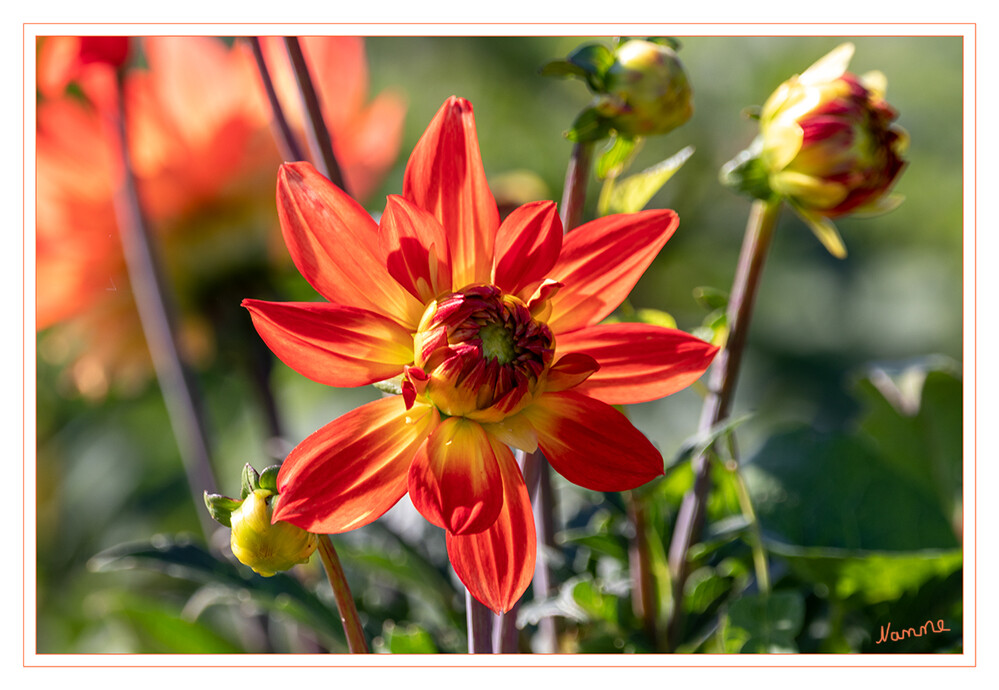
column 914, row 416
column 655, row 317
column 268, row 478
column 411, row 639
column 181, row 559
column 594, row 59
column 746, row 173
column 598, row 605
column 872, row 576
column 221, row 507
column 249, row 481
column 631, row 194
column 588, row 126
column 837, row 491
column 617, row 157
column 700, row 442
column 562, row 68
column 711, row 298
column 161, row 629
column 764, row 623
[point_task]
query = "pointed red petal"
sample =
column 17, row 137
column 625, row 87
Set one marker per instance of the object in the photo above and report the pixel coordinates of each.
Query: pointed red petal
column 351, row 471
column 416, row 249
column 527, row 246
column 445, row 176
column 334, row 345
column 638, row 362
column 334, row 244
column 600, row 263
column 454, row 481
column 497, row 565
column 592, row 444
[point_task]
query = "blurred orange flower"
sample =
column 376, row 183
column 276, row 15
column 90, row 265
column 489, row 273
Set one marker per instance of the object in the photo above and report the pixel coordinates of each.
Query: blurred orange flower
column 204, row 159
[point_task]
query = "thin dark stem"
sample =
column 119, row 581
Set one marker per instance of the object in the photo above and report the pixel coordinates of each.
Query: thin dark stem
column 315, row 126
column 290, row 148
column 724, row 374
column 341, row 592
column 480, row 626
column 152, row 298
column 576, row 178
column 643, row 592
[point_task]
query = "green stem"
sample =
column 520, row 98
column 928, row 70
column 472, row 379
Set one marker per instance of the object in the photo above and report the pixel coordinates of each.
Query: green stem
column 724, row 374
column 759, row 552
column 341, row 592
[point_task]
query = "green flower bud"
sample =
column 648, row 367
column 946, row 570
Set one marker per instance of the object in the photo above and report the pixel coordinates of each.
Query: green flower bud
column 645, row 90
column 267, row 548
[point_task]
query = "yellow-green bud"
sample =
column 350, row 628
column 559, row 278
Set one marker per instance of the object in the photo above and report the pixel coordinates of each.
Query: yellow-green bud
column 267, row 548
column 829, row 139
column 646, row 90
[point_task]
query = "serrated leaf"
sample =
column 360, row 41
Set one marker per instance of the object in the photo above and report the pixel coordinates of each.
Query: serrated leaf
column 631, row 194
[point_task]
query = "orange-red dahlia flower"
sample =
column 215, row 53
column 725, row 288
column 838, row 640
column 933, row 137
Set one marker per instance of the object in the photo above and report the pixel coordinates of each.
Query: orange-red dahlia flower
column 492, row 332
column 203, row 157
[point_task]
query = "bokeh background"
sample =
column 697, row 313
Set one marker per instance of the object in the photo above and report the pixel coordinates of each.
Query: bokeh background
column 826, row 336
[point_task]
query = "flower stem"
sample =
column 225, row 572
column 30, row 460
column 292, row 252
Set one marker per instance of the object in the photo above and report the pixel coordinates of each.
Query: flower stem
column 725, row 372
column 577, row 175
column 156, row 315
column 480, row 626
column 643, row 592
column 759, row 552
column 290, row 148
column 341, row 592
column 316, row 131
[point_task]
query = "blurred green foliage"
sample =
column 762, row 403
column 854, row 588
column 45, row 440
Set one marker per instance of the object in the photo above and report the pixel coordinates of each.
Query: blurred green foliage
column 852, row 451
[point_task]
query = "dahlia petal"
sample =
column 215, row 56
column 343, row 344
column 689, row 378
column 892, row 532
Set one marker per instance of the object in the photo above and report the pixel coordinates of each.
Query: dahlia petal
column 497, row 565
column 591, row 444
column 415, row 248
column 351, row 471
column 600, row 263
column 514, row 430
column 638, row 362
column 527, row 246
column 334, row 244
column 334, row 345
column 454, row 481
column 572, row 369
column 445, row 176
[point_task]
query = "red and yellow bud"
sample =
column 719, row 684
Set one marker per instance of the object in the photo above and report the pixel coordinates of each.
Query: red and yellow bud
column 479, row 353
column 646, row 90
column 830, row 145
column 267, row 548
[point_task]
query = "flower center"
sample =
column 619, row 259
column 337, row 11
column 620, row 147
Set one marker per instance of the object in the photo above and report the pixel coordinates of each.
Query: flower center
column 481, row 354
column 497, row 343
